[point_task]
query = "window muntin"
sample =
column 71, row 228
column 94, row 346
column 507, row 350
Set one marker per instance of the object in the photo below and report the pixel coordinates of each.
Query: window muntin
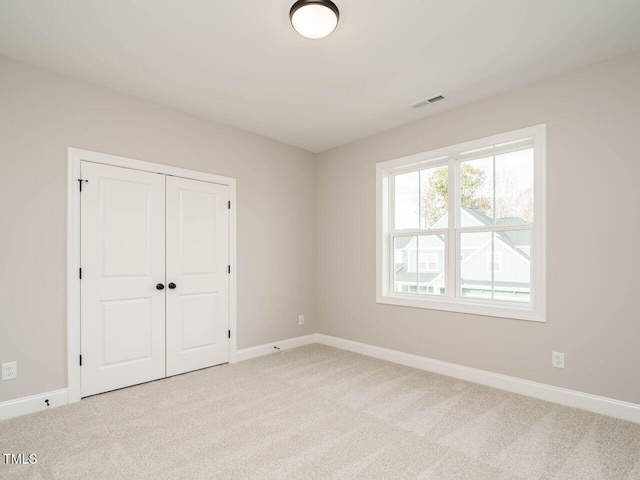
column 485, row 263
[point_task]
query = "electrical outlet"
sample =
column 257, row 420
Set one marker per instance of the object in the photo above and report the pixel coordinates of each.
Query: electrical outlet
column 9, row 370
column 300, row 319
column 557, row 359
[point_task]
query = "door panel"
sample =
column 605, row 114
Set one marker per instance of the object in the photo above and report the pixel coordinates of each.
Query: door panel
column 197, row 259
column 200, row 331
column 126, row 247
column 125, row 319
column 197, row 224
column 122, row 259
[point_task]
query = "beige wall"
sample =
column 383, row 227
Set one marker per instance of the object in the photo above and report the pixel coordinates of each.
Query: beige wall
column 41, row 114
column 292, row 205
column 593, row 197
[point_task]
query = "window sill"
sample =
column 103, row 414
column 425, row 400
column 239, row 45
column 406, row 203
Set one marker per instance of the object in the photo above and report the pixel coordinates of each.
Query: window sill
column 463, row 306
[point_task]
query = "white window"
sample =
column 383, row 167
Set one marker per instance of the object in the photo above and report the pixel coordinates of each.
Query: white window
column 428, row 262
column 462, row 228
column 497, row 263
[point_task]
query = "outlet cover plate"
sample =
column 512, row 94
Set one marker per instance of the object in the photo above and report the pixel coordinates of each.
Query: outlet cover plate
column 557, row 359
column 9, row 370
column 300, row 319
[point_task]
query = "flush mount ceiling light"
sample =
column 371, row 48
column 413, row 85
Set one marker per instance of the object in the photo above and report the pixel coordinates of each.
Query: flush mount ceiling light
column 314, row 18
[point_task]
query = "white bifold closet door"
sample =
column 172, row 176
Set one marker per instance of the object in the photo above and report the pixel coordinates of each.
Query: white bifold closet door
column 122, row 260
column 154, row 288
column 197, row 274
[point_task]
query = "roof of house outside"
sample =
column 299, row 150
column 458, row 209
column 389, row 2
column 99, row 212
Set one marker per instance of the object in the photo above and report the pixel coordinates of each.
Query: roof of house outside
column 402, row 275
column 516, row 239
column 513, row 238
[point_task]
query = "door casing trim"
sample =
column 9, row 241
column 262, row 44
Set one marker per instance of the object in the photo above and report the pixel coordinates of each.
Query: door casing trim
column 75, row 156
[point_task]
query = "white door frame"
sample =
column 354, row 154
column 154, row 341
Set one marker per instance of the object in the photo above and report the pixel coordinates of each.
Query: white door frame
column 75, row 156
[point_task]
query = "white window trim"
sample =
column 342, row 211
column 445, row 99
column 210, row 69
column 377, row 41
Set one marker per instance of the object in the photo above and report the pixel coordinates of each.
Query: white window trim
column 534, row 311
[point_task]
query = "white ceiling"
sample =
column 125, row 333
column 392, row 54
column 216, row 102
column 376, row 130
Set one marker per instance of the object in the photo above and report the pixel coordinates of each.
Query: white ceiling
column 240, row 62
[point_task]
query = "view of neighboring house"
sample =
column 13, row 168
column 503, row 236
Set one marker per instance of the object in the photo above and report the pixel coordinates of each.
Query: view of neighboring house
column 419, row 260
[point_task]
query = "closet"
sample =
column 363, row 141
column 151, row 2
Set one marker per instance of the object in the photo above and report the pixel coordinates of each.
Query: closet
column 154, row 291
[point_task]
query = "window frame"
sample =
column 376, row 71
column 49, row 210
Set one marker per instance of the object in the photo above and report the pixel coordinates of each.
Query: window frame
column 452, row 156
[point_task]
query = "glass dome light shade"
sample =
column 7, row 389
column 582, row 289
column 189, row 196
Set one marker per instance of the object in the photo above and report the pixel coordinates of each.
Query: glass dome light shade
column 314, row 18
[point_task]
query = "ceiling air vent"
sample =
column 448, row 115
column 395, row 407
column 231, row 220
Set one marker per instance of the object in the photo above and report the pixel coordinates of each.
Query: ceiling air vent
column 426, row 101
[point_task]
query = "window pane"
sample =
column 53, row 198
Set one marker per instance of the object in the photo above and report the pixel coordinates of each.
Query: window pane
column 475, row 277
column 407, row 201
column 431, row 261
column 514, row 187
column 405, row 264
column 476, row 192
column 434, row 199
column 512, row 266
column 496, row 265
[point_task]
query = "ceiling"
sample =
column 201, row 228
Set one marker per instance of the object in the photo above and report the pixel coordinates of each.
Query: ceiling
column 240, row 62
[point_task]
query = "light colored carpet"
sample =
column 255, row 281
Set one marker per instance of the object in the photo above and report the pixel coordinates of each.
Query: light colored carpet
column 317, row 412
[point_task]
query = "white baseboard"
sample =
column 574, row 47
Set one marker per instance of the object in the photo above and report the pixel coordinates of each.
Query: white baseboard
column 267, row 348
column 563, row 396
column 34, row 403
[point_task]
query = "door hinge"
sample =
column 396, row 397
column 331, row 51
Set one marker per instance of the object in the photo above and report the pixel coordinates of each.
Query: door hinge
column 80, row 273
column 229, row 204
column 229, row 333
column 229, row 269
column 80, row 180
column 80, row 360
